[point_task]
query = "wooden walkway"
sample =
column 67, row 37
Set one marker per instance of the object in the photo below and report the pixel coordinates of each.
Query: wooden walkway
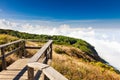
column 35, row 68
column 16, row 71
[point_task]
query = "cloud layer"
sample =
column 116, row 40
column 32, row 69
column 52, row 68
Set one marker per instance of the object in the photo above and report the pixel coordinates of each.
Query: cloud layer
column 106, row 41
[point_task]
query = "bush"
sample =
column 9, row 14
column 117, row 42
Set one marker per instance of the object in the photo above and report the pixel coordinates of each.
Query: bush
column 59, row 50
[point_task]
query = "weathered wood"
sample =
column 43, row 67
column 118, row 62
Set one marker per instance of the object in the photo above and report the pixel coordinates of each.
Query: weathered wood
column 3, row 58
column 4, row 45
column 15, row 50
column 44, row 60
column 20, row 50
column 45, row 50
column 37, row 65
column 24, row 50
column 36, row 57
column 51, row 51
column 36, row 40
column 44, row 55
column 3, row 55
column 16, row 71
column 50, row 72
column 32, row 47
column 30, row 73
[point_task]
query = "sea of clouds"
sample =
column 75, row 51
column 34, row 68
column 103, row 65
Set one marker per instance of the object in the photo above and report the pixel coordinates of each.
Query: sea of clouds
column 105, row 41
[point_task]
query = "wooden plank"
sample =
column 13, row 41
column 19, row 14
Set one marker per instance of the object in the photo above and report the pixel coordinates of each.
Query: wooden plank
column 37, row 65
column 15, row 50
column 32, row 47
column 50, row 72
column 36, row 57
column 16, row 71
column 3, row 59
column 36, row 40
column 9, row 53
column 30, row 73
column 4, row 45
column 51, row 52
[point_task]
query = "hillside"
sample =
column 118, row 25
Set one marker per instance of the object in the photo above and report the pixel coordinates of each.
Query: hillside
column 74, row 58
column 61, row 40
column 74, row 68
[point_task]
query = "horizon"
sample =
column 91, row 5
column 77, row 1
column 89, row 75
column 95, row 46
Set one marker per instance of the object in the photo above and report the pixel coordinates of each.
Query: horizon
column 96, row 21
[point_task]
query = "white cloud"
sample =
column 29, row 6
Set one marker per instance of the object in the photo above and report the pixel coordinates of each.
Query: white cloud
column 105, row 41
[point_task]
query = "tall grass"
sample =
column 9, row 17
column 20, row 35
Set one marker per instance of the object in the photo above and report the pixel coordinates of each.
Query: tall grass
column 78, row 69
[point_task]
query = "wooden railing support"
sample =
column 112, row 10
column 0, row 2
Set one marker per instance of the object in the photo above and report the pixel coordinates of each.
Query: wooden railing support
column 43, row 56
column 48, row 71
column 30, row 73
column 3, row 58
column 18, row 49
column 24, row 50
column 51, row 52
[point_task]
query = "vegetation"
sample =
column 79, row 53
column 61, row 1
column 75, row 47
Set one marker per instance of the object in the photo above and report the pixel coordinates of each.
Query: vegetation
column 6, row 39
column 75, row 68
column 74, row 58
column 61, row 40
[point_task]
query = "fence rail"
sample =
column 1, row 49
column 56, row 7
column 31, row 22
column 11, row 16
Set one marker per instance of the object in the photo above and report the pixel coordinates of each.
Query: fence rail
column 41, row 60
column 50, row 72
column 42, row 56
column 21, row 45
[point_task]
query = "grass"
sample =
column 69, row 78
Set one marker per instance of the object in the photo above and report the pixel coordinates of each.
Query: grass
column 77, row 69
column 6, row 38
column 72, row 62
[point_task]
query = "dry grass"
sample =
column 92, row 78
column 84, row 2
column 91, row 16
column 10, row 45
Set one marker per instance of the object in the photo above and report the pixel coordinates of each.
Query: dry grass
column 77, row 69
column 6, row 38
column 31, row 52
column 72, row 67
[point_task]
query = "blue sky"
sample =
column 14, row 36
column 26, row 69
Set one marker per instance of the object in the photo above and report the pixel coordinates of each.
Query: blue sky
column 60, row 9
column 96, row 21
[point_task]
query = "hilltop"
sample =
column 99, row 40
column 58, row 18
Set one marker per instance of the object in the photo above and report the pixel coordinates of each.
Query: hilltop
column 87, row 48
column 74, row 58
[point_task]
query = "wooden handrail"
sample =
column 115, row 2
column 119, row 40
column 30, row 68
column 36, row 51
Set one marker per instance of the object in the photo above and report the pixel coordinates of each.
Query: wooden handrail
column 4, row 55
column 43, row 56
column 50, row 72
column 41, row 52
column 14, row 42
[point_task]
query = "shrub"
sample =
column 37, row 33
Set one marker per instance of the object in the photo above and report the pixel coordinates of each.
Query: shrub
column 59, row 50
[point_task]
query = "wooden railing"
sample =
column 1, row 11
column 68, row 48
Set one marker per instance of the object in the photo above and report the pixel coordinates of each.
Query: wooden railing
column 49, row 72
column 42, row 56
column 40, row 61
column 4, row 54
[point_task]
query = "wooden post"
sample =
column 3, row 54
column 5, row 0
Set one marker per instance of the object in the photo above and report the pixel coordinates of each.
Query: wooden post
column 24, row 50
column 20, row 51
column 45, row 62
column 42, row 77
column 30, row 73
column 3, row 58
column 51, row 51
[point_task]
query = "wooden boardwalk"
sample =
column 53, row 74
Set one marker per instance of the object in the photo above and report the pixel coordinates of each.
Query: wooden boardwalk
column 35, row 68
column 16, row 71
